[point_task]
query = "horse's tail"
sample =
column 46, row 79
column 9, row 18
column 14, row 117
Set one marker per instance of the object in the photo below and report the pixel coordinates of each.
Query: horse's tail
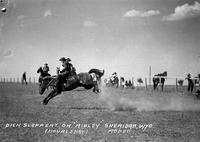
column 102, row 72
column 97, row 71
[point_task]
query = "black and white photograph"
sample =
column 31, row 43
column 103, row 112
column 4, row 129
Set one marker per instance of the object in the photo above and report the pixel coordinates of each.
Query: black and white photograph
column 99, row 70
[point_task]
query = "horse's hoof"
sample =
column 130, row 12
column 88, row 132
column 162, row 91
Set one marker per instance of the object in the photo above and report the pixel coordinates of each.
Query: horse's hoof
column 44, row 102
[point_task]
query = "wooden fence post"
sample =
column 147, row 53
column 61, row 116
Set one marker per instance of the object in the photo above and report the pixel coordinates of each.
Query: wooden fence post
column 145, row 83
column 34, row 80
column 150, row 76
column 176, row 84
column 120, row 82
column 194, row 86
column 133, row 81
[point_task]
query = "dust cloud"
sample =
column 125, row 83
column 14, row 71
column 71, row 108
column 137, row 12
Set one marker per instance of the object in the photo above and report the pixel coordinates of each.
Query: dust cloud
column 130, row 100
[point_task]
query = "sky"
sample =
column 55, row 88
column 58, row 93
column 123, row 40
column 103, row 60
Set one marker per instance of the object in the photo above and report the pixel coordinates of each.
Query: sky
column 123, row 36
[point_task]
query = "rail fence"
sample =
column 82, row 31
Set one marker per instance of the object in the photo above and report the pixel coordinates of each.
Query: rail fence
column 30, row 80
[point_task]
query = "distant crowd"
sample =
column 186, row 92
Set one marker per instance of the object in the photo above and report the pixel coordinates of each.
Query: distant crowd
column 114, row 80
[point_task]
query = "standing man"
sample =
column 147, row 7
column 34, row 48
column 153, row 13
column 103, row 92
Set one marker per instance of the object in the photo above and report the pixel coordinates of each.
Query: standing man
column 190, row 83
column 24, row 78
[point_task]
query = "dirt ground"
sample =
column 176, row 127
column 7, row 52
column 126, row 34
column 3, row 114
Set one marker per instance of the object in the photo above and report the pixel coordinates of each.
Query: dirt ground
column 114, row 115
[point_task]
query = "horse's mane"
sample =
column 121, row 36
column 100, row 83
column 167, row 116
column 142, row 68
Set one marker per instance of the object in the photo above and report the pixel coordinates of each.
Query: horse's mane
column 49, row 77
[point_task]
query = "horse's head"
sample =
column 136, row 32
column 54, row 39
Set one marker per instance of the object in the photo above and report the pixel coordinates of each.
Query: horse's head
column 44, row 83
column 165, row 73
column 39, row 70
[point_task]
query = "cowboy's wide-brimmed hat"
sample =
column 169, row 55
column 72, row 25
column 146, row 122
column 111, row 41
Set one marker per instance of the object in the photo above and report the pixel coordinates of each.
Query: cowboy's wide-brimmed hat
column 64, row 59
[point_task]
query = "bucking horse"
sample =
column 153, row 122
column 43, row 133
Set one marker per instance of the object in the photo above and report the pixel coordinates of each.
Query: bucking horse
column 88, row 80
column 159, row 78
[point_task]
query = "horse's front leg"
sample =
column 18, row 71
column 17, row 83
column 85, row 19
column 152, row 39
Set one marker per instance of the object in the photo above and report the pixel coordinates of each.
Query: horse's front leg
column 96, row 90
column 155, row 86
column 50, row 96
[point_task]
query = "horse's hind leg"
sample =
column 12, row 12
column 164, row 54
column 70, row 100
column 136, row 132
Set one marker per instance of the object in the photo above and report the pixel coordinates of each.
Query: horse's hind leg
column 192, row 88
column 50, row 96
column 154, row 86
column 162, row 85
column 96, row 89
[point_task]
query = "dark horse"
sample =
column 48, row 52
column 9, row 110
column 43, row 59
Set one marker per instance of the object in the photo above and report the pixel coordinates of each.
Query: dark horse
column 88, row 80
column 42, row 74
column 159, row 78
